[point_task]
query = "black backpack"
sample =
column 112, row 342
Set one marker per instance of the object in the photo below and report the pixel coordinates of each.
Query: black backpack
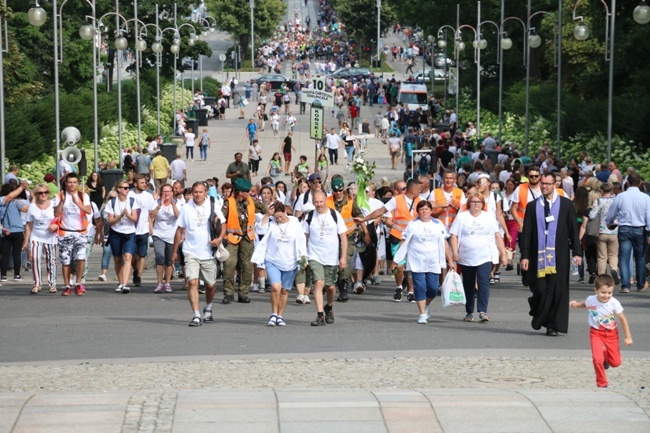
column 214, row 223
column 310, row 215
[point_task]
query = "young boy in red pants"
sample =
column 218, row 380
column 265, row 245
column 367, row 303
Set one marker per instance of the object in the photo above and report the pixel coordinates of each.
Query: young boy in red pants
column 604, row 312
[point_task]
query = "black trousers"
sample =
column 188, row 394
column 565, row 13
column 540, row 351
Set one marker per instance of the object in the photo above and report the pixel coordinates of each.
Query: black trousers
column 11, row 245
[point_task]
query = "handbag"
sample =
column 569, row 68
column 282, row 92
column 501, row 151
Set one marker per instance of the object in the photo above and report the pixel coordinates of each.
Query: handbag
column 453, row 292
column 593, row 226
column 221, row 253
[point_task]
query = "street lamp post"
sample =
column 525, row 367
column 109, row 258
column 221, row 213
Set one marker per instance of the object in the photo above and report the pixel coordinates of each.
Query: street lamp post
column 641, row 15
column 505, row 44
column 534, row 41
column 252, row 5
column 431, row 40
column 212, row 26
column 378, row 30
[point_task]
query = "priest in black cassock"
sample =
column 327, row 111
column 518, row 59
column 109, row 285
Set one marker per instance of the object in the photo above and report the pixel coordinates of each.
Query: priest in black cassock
column 549, row 239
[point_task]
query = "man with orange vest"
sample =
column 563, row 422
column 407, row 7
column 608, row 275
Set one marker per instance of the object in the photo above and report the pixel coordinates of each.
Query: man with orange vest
column 403, row 207
column 73, row 210
column 524, row 194
column 239, row 211
column 348, row 209
column 448, row 200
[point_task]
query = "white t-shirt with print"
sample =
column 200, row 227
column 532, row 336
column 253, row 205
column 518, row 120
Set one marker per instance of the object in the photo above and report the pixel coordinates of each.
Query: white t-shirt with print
column 194, row 219
column 41, row 219
column 323, row 243
column 603, row 315
column 164, row 225
column 476, row 235
column 425, row 246
column 124, row 225
column 281, row 250
column 71, row 216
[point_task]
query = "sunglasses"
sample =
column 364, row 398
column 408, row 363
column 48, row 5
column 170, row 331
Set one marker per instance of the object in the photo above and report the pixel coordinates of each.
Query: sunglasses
column 337, row 190
column 315, row 181
column 533, row 176
column 403, row 189
column 123, row 187
column 42, row 192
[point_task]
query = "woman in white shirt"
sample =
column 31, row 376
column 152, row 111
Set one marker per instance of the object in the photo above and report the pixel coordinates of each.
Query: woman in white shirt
column 41, row 237
column 275, row 123
column 254, row 156
column 472, row 235
column 189, row 144
column 267, row 197
column 282, row 251
column 122, row 216
column 425, row 248
column 164, row 228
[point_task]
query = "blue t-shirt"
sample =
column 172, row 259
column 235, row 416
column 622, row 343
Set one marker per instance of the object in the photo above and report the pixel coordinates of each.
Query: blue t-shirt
column 252, row 128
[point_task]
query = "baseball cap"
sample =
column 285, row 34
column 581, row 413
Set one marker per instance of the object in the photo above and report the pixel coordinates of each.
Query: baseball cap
column 313, row 177
column 338, row 184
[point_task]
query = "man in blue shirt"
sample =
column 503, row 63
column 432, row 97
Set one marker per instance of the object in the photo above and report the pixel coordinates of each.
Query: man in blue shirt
column 631, row 211
column 251, row 130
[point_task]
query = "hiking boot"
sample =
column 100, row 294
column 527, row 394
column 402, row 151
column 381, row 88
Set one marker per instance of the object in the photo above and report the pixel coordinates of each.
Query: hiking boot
column 329, row 314
column 343, row 292
column 320, row 321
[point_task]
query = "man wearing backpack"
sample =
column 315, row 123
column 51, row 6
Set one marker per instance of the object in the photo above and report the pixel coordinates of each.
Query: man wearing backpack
column 239, row 212
column 327, row 254
column 73, row 209
column 193, row 226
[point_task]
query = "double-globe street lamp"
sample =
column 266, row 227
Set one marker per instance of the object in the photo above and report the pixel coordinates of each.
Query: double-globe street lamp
column 641, row 15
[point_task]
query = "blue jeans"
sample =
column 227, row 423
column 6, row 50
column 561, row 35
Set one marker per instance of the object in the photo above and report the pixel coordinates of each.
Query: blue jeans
column 203, row 150
column 106, row 255
column 350, row 151
column 477, row 274
column 631, row 240
column 425, row 285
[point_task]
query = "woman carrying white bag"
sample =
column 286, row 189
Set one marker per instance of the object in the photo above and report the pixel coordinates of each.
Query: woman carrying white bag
column 427, row 253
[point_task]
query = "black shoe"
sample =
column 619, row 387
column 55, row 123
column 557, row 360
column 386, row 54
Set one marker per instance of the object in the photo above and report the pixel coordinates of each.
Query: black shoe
column 226, row 300
column 243, row 299
column 581, row 280
column 320, row 321
column 550, row 332
column 410, row 297
column 343, row 292
column 137, row 281
column 509, row 268
column 196, row 321
column 398, row 294
column 616, row 278
column 592, row 278
column 207, row 316
column 606, row 365
column 329, row 314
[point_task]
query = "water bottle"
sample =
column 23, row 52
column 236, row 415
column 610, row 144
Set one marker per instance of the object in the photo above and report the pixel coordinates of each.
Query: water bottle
column 574, row 267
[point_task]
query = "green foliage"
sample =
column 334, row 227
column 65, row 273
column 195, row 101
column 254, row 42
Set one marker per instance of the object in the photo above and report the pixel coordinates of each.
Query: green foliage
column 233, row 16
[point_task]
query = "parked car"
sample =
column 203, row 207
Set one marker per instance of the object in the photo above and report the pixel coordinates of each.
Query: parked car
column 276, row 80
column 187, row 64
column 349, row 73
column 440, row 76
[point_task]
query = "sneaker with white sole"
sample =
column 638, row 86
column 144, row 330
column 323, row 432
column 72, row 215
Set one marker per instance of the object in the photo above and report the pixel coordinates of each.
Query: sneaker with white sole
column 255, row 288
column 102, row 277
column 167, row 287
column 273, row 320
column 279, row 321
column 398, row 294
column 195, row 322
column 126, row 290
column 207, row 316
column 410, row 297
column 426, row 312
column 119, row 288
column 159, row 288
column 300, row 299
column 422, row 319
column 306, row 299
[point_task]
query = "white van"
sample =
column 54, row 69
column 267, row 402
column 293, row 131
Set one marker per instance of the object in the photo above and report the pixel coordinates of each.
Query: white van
column 413, row 96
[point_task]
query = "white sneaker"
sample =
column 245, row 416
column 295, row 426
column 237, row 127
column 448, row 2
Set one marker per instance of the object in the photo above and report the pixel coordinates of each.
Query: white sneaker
column 306, row 299
column 102, row 277
column 255, row 288
column 426, row 312
column 422, row 319
column 119, row 288
column 300, row 299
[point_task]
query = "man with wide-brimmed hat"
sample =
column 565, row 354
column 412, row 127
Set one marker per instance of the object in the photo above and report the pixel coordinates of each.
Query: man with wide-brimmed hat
column 239, row 211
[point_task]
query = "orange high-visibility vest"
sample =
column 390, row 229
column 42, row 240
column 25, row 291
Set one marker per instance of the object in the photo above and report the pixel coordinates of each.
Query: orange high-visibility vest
column 403, row 215
column 447, row 216
column 234, row 232
column 346, row 213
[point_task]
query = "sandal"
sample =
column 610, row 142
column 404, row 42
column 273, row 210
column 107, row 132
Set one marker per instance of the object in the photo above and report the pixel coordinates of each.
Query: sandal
column 493, row 280
column 35, row 290
column 468, row 318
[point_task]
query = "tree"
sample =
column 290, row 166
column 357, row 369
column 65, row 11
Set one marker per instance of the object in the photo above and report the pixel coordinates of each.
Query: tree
column 363, row 26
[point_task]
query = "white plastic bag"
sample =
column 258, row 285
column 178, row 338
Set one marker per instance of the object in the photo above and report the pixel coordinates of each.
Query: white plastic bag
column 453, row 292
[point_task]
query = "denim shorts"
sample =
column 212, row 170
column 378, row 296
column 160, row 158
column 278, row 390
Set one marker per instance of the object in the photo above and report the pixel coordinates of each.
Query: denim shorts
column 121, row 243
column 276, row 276
column 141, row 245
